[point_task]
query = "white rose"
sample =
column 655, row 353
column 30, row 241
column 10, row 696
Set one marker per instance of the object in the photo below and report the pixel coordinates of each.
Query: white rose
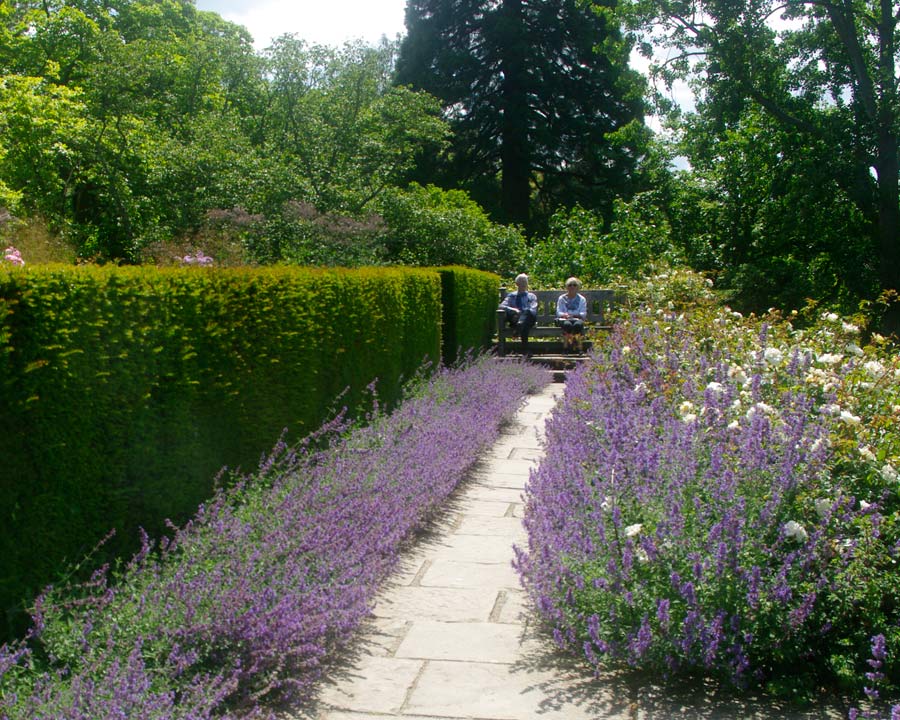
column 795, row 531
column 874, row 368
column 830, row 358
column 889, row 473
column 736, row 372
column 773, row 356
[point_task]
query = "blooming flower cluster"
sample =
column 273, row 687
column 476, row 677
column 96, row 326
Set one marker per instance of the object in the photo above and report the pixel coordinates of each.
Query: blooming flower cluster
column 240, row 607
column 198, row 259
column 13, row 256
column 723, row 499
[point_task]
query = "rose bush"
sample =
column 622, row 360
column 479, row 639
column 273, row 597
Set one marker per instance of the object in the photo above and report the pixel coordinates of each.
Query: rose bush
column 719, row 496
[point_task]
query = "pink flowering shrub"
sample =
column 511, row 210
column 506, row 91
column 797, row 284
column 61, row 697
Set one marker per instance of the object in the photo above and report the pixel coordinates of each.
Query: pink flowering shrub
column 13, row 256
column 241, row 606
column 199, row 259
column 718, row 496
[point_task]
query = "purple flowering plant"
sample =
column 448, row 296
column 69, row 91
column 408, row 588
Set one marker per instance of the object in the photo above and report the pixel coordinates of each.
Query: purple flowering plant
column 238, row 610
column 718, row 497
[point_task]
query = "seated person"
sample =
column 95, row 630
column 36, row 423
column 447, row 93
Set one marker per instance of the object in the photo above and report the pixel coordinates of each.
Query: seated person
column 521, row 309
column 571, row 310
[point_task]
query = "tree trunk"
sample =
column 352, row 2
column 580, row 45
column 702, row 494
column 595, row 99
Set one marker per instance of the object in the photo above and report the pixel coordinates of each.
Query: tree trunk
column 888, row 211
column 889, row 225
column 515, row 188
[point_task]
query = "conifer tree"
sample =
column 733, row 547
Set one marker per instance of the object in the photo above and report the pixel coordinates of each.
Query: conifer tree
column 538, row 93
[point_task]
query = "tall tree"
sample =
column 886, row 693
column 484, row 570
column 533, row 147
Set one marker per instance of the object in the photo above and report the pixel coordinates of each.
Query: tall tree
column 538, row 93
column 338, row 128
column 826, row 74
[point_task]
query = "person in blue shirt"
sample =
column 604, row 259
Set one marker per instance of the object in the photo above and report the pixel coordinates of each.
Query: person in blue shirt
column 571, row 310
column 521, row 310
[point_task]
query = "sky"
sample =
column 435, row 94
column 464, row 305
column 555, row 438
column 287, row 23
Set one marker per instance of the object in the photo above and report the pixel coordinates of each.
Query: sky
column 322, row 22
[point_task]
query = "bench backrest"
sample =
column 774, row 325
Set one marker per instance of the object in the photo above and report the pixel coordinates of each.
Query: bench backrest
column 597, row 303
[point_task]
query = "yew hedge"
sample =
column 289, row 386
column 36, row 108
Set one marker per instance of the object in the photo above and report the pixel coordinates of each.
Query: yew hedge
column 124, row 390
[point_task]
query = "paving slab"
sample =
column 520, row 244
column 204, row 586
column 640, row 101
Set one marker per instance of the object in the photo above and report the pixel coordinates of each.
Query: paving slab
column 512, row 606
column 656, row 702
column 453, row 574
column 473, row 642
column 472, row 548
column 523, row 453
column 499, row 479
column 497, row 691
column 344, row 715
column 506, row 467
column 449, row 604
column 491, row 508
column 476, row 491
column 379, row 685
column 498, row 527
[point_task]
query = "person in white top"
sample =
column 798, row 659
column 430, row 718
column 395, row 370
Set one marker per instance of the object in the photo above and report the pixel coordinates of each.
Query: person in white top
column 571, row 311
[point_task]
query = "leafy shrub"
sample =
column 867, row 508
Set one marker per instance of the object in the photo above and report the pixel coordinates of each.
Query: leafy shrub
column 430, row 226
column 242, row 605
column 576, row 244
column 302, row 235
column 719, row 496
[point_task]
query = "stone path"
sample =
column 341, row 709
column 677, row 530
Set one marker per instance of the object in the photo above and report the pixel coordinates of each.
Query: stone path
column 452, row 637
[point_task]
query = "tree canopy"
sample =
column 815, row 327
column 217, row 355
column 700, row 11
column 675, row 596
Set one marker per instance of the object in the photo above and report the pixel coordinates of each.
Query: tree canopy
column 538, row 95
column 796, row 129
column 127, row 122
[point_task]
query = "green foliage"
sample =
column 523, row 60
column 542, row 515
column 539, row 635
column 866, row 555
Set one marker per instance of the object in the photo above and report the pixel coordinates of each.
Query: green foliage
column 123, row 126
column 302, row 235
column 794, row 143
column 577, row 245
column 430, row 226
column 469, row 300
column 123, row 391
column 341, row 132
column 771, row 216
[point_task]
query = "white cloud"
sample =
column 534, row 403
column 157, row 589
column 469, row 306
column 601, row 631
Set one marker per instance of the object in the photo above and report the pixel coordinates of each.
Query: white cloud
column 322, row 22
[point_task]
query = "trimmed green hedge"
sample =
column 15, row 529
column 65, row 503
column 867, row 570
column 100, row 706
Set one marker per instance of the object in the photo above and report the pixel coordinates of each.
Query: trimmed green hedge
column 124, row 390
column 470, row 299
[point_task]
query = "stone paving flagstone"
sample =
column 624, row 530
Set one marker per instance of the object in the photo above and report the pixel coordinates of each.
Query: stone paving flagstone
column 452, row 637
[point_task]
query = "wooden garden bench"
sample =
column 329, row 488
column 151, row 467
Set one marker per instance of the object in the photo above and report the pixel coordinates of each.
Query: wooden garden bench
column 545, row 327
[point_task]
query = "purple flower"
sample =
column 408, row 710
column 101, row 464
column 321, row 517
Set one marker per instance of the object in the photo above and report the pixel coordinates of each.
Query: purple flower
column 243, row 604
